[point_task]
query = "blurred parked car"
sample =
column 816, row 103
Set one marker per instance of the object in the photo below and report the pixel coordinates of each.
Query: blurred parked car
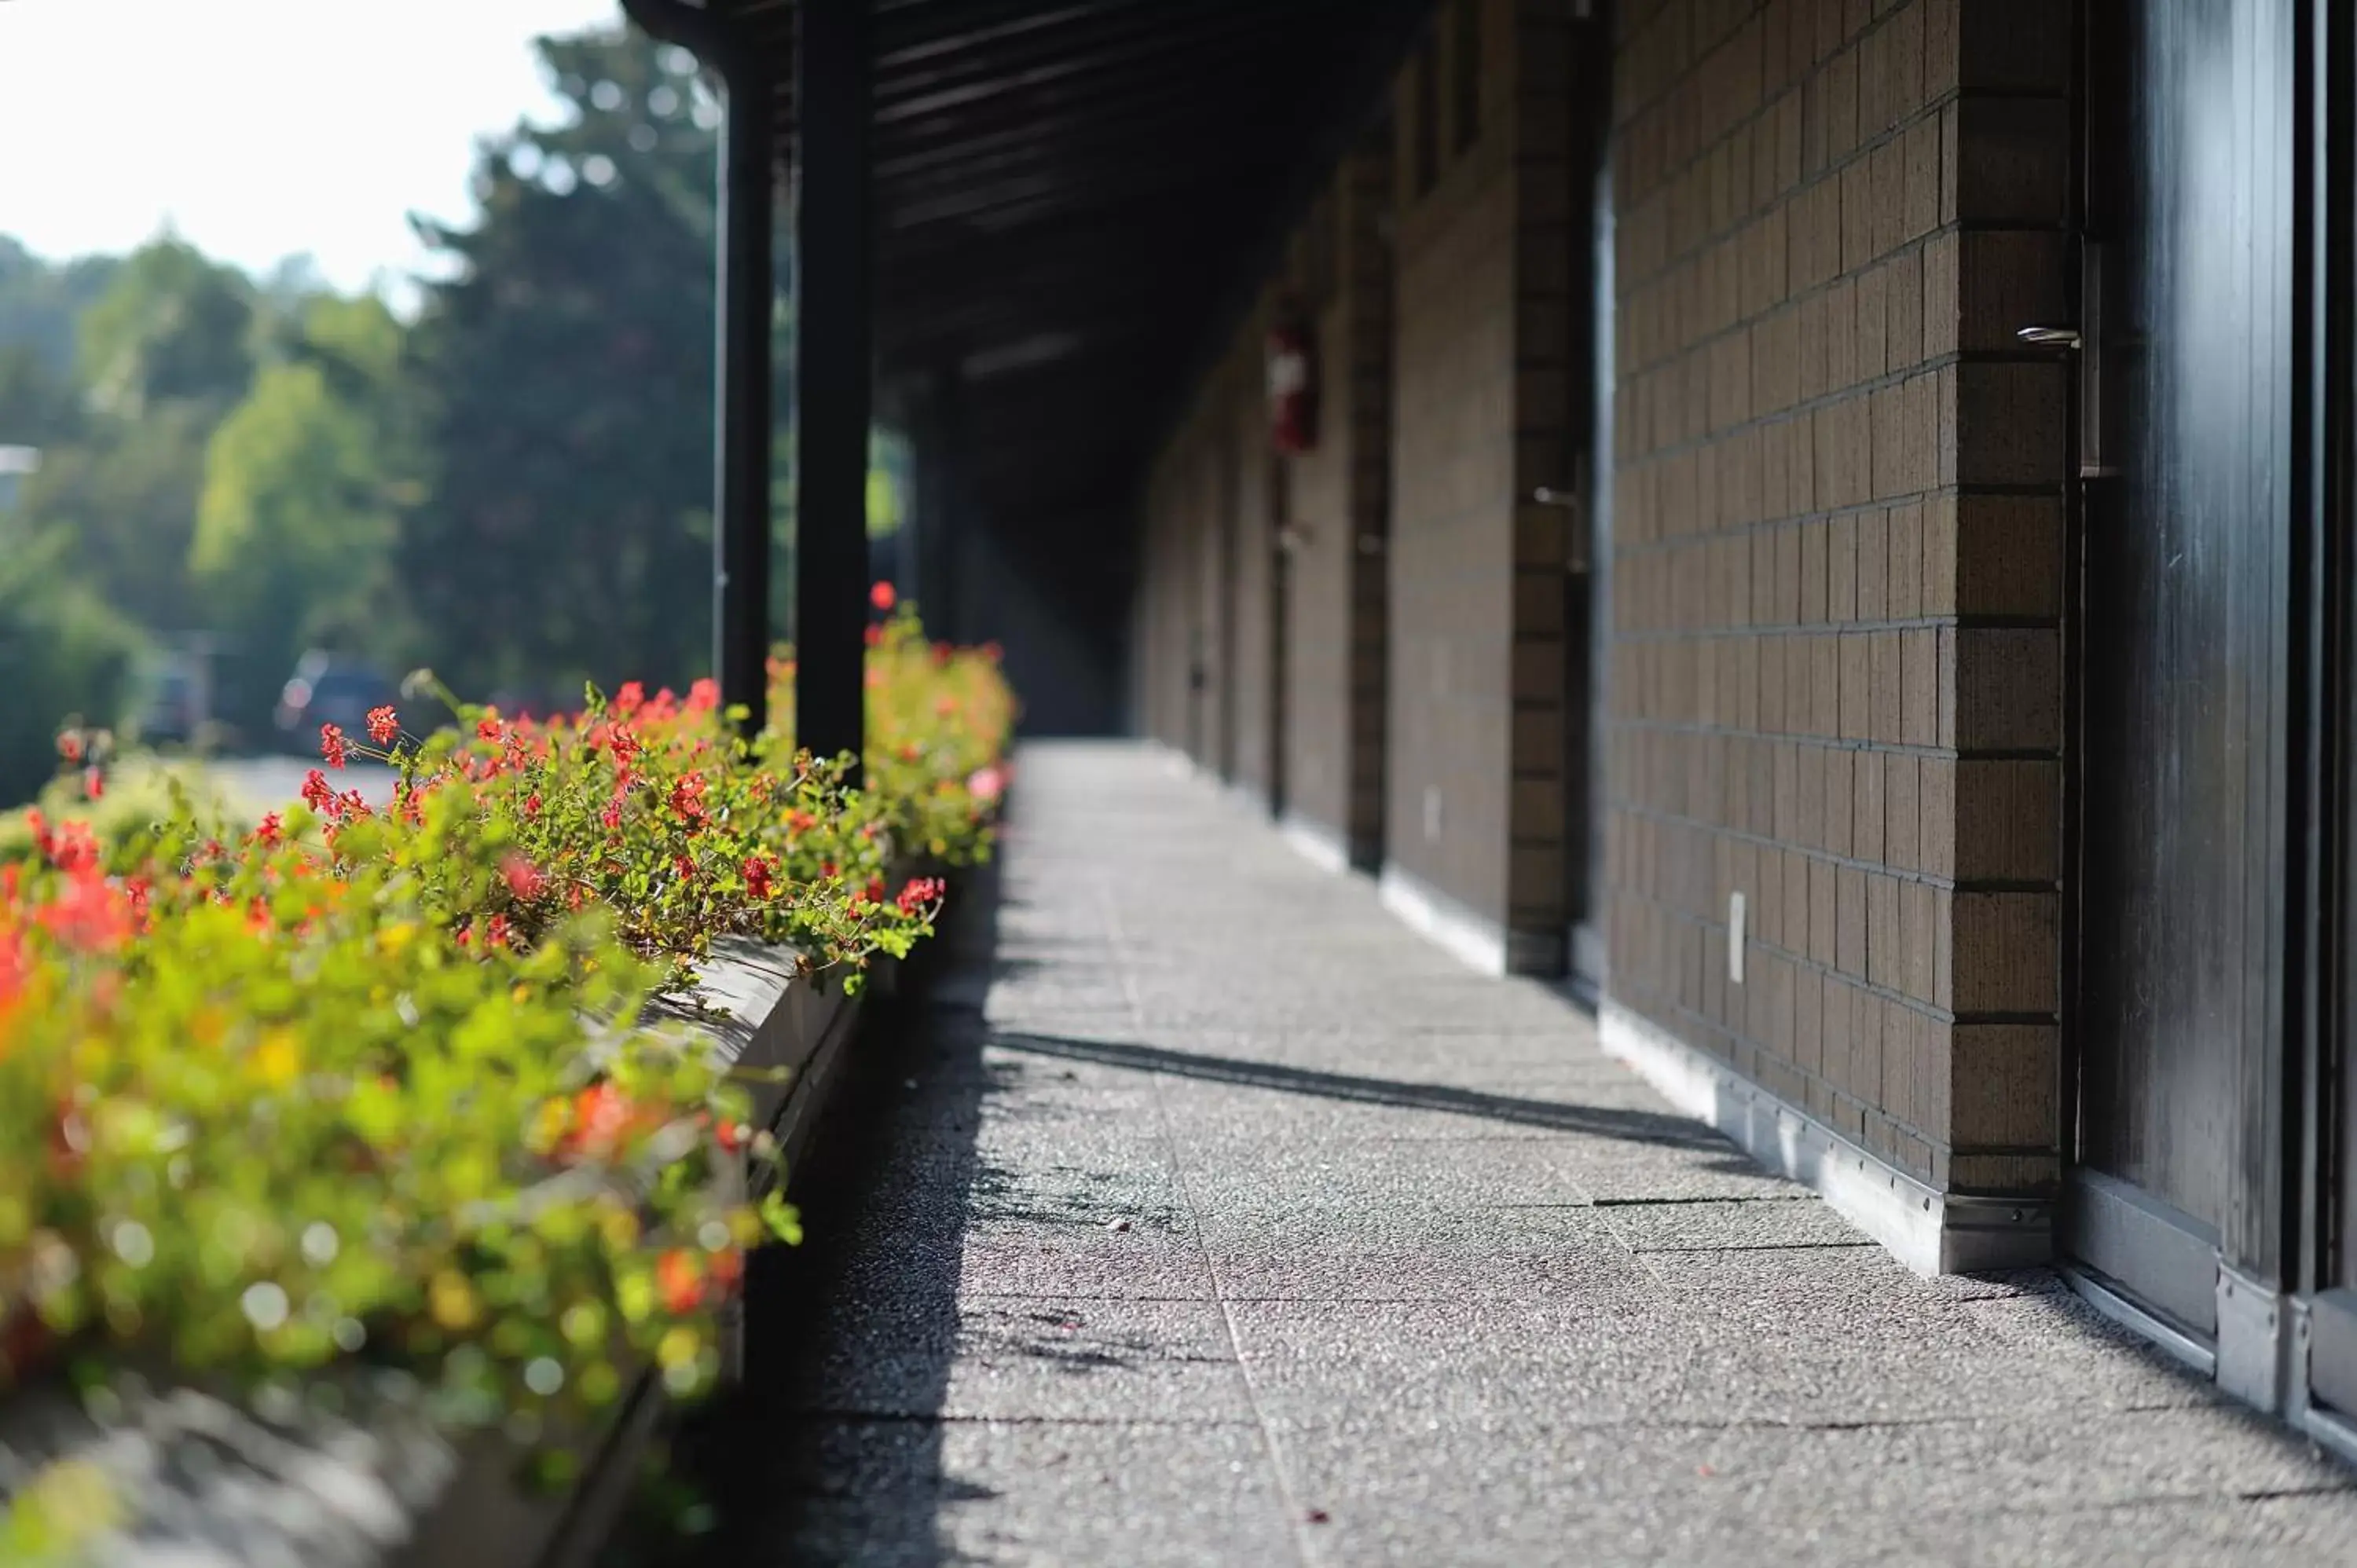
column 328, row 689
column 172, row 695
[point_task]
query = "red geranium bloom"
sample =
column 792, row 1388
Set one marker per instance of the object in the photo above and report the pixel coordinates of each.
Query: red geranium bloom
column 384, row 724
column 687, row 798
column 704, row 696
column 883, row 595
column 875, row 637
column 93, row 782
column 524, row 879
column 70, row 746
column 266, row 831
column 757, row 875
column 317, row 794
column 489, row 726
column 333, row 745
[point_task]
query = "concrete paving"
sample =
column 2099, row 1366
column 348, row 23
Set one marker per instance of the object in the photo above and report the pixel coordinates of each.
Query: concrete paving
column 1221, row 1220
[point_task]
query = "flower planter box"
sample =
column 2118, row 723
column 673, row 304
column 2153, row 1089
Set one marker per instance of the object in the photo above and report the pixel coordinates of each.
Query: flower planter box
column 353, row 1471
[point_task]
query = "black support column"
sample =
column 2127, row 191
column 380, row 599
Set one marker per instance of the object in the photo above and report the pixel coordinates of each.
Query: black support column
column 740, row 537
column 832, row 375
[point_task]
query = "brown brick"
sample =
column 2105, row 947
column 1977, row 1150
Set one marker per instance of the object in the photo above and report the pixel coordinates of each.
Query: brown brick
column 2006, row 953
column 2006, row 1088
column 2009, row 424
column 2012, row 159
column 1841, row 579
column 1869, row 772
column 1918, row 675
column 1873, row 564
column 1884, row 952
column 2007, row 817
column 1936, row 816
column 1856, row 711
column 1849, row 921
column 1901, row 817
column 2013, row 45
column 1838, row 821
column 2009, row 279
column 2008, row 689
column 1884, row 687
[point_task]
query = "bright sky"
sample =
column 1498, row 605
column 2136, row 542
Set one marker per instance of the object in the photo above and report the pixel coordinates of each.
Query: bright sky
column 260, row 129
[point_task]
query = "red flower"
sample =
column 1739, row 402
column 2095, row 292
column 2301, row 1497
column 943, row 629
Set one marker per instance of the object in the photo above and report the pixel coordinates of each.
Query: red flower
column 883, row 597
column 497, row 932
column 630, row 699
column 757, row 875
column 679, row 1279
column 873, row 892
column 91, row 914
column 315, row 791
column 687, row 798
column 532, row 804
column 524, row 879
column 384, row 724
column 612, row 814
column 918, row 894
column 875, row 637
column 70, row 746
column 267, row 830
column 704, row 696
column 487, row 726
column 685, row 866
column 730, row 1135
column 93, row 782
column 986, row 783
column 333, row 745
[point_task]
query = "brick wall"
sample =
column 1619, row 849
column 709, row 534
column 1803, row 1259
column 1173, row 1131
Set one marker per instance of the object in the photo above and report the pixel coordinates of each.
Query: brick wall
column 1837, row 558
column 1475, row 808
column 1341, row 510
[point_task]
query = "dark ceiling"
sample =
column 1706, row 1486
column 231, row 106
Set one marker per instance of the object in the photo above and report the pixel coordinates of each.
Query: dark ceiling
column 1074, row 198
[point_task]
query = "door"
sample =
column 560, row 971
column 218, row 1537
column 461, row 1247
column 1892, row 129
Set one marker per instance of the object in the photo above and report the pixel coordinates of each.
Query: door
column 2184, row 611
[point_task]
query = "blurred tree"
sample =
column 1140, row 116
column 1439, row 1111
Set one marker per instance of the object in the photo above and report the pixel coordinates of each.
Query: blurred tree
column 172, row 326
column 67, row 656
column 566, row 375
column 40, row 302
column 299, row 514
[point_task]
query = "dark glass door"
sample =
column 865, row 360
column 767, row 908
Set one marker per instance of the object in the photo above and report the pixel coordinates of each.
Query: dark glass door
column 2185, row 605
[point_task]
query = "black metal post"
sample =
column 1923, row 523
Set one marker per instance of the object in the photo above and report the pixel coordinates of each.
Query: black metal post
column 740, row 535
column 832, row 377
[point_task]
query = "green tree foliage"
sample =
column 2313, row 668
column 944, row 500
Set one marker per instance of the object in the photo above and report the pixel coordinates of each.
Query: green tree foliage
column 65, row 653
column 565, row 378
column 39, row 303
column 298, row 517
column 172, row 326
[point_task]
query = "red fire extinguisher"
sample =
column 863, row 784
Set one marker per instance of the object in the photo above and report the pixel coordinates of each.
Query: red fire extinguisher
column 1292, row 384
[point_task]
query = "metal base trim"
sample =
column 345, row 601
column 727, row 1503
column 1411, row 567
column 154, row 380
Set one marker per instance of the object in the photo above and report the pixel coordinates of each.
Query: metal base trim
column 2115, row 1304
column 1931, row 1231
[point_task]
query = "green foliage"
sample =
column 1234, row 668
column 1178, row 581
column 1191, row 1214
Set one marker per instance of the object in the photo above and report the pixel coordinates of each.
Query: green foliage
column 65, row 655
column 565, row 378
column 381, row 1081
column 172, row 326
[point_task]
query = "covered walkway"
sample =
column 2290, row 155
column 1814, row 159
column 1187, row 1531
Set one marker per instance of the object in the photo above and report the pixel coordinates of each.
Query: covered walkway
column 1219, row 1218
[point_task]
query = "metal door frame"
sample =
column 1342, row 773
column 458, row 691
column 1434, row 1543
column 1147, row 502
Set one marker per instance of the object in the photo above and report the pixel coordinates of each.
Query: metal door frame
column 2287, row 1343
